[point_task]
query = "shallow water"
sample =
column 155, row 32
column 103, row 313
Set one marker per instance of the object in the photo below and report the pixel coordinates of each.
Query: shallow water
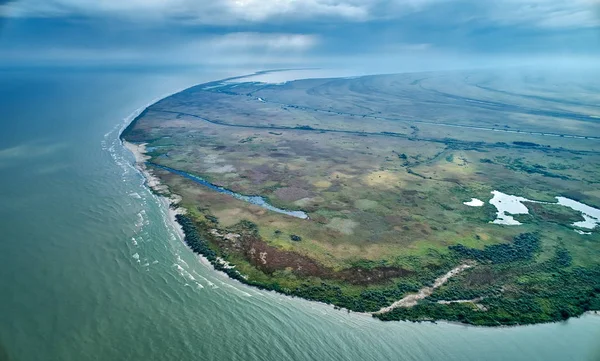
column 507, row 204
column 474, row 202
column 590, row 214
column 256, row 200
column 90, row 269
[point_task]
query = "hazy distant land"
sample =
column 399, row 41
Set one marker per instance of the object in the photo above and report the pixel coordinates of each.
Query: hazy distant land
column 373, row 193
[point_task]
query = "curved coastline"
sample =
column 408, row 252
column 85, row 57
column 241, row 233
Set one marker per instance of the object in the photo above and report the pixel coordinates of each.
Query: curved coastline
column 189, row 235
column 176, row 213
column 186, row 230
column 171, row 201
column 136, row 115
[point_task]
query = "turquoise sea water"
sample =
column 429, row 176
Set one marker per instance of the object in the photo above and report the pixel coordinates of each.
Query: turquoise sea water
column 91, row 270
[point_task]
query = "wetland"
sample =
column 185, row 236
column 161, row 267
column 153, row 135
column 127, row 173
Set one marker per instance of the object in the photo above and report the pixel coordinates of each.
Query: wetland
column 363, row 192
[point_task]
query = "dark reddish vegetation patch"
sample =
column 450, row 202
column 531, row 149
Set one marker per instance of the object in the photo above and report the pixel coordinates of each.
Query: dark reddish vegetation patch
column 398, row 220
column 269, row 259
column 361, row 276
column 318, row 218
column 257, row 177
column 291, row 194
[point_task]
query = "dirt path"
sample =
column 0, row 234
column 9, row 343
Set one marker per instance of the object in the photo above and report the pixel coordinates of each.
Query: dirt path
column 411, row 300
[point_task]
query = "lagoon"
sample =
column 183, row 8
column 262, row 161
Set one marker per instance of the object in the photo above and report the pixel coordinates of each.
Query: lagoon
column 508, row 205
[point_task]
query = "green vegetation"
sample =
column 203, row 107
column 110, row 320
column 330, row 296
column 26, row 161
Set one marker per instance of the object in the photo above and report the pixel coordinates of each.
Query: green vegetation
column 385, row 193
column 523, row 247
column 520, row 165
column 526, row 144
column 332, row 293
column 549, row 291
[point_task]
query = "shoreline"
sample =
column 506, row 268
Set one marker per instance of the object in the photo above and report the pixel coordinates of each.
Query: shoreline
column 169, row 199
column 176, row 216
column 171, row 202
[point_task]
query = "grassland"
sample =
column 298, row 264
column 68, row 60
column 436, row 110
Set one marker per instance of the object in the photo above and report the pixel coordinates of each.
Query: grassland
column 382, row 166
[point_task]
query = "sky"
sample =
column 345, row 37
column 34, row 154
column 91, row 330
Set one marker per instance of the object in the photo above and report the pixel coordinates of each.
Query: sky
column 375, row 34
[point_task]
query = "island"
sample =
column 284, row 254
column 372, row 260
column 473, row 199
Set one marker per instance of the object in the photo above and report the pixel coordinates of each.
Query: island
column 465, row 196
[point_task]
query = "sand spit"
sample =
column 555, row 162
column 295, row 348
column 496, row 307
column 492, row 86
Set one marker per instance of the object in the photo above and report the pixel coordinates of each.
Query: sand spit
column 139, row 151
column 413, row 299
column 170, row 200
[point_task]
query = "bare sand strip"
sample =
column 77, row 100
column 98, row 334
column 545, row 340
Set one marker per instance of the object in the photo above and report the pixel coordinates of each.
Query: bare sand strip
column 153, row 182
column 170, row 200
column 411, row 300
column 474, row 301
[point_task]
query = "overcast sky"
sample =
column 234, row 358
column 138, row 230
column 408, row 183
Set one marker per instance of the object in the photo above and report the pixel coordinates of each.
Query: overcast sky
column 275, row 33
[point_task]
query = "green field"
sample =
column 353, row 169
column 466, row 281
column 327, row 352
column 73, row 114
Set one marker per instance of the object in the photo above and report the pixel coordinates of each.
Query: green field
column 382, row 165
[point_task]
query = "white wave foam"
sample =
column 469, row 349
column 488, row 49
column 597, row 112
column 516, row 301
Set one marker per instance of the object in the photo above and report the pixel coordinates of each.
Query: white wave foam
column 184, row 273
column 182, row 261
column 112, row 142
column 237, row 289
column 205, row 280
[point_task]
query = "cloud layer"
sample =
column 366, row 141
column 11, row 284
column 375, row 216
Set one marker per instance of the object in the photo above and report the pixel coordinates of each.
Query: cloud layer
column 226, row 12
column 541, row 13
column 229, row 49
column 274, row 33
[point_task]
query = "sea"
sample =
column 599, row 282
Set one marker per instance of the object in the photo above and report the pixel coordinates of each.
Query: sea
column 91, row 267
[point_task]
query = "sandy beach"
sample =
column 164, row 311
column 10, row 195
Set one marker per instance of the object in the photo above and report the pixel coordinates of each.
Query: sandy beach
column 170, row 200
